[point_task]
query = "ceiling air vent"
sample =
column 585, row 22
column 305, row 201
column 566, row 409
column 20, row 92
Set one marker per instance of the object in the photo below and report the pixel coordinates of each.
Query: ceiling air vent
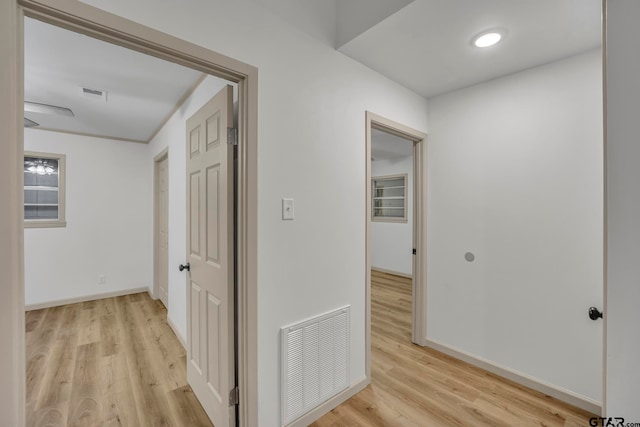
column 97, row 94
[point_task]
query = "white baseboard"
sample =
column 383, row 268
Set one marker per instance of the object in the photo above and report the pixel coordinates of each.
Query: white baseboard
column 85, row 298
column 395, row 273
column 175, row 331
column 559, row 393
column 172, row 325
column 330, row 404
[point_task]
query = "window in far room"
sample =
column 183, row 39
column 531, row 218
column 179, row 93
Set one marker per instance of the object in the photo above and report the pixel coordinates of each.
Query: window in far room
column 44, row 190
column 389, row 198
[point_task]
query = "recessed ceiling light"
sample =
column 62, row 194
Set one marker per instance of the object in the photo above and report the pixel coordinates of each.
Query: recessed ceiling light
column 488, row 38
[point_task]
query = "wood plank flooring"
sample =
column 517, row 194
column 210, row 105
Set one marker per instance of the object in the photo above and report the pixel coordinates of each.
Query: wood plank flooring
column 416, row 386
column 111, row 362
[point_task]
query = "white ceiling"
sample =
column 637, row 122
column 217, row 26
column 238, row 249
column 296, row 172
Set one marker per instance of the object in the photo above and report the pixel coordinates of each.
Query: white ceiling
column 142, row 90
column 385, row 146
column 426, row 46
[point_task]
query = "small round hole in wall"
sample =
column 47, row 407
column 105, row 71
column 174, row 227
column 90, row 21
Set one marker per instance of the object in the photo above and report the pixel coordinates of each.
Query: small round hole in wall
column 469, row 256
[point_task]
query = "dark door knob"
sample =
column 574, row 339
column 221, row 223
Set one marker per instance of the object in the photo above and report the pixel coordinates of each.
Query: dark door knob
column 184, row 267
column 594, row 313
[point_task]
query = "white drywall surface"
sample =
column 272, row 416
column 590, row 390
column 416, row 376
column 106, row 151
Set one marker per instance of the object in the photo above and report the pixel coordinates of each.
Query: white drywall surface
column 392, row 242
column 515, row 176
column 311, row 143
column 108, row 232
column 622, row 313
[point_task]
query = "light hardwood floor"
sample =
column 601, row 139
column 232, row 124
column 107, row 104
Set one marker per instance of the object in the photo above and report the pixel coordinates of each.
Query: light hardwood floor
column 111, row 362
column 416, row 386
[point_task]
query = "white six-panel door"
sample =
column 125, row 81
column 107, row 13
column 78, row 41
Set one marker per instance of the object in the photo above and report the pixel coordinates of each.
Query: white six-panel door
column 210, row 251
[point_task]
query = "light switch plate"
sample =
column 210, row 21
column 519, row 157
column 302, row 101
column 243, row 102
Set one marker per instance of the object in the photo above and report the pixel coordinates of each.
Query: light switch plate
column 287, row 209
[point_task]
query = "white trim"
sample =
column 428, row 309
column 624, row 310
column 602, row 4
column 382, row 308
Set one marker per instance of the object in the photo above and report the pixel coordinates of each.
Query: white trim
column 172, row 325
column 326, row 407
column 176, row 331
column 395, row 273
column 85, row 298
column 570, row 397
column 605, row 210
column 12, row 325
column 419, row 274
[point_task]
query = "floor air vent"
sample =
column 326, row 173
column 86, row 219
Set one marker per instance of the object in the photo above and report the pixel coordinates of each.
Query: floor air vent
column 315, row 362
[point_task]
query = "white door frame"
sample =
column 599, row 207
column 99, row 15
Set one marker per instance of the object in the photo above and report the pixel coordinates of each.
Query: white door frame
column 418, row 323
column 164, row 154
column 88, row 20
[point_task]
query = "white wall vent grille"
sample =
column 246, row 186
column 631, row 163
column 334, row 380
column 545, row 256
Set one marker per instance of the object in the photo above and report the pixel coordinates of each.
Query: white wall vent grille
column 315, row 362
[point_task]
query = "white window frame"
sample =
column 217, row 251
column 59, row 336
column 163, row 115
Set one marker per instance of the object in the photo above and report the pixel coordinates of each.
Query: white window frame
column 378, row 218
column 62, row 166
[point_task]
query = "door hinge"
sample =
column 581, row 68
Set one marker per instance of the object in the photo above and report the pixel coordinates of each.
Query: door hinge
column 232, row 136
column 414, row 251
column 234, row 396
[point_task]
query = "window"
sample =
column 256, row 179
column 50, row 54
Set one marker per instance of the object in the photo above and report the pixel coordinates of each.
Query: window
column 389, row 198
column 44, row 190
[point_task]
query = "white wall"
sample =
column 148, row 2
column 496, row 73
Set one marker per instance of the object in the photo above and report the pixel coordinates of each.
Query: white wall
column 622, row 313
column 357, row 16
column 316, row 18
column 311, row 134
column 108, row 205
column 515, row 176
column 172, row 135
column 392, row 242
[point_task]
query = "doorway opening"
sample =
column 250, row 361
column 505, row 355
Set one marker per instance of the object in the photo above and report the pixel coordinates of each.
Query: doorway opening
column 110, row 138
column 391, row 234
column 106, row 27
column 161, row 227
column 395, row 229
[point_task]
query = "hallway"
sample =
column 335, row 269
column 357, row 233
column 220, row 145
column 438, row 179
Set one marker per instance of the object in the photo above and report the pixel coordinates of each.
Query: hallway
column 416, row 386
